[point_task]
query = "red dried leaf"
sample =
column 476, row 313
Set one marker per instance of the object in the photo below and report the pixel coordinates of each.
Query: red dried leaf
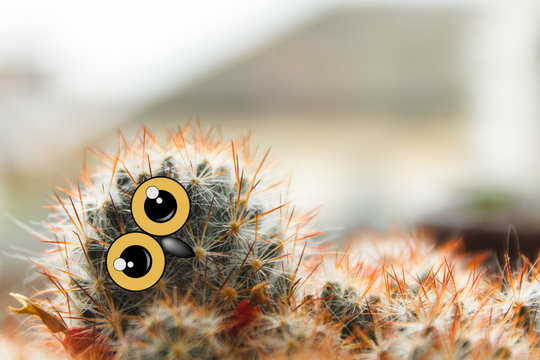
column 85, row 343
column 243, row 315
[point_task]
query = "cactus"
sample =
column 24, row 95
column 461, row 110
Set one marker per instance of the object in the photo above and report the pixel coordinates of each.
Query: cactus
column 242, row 231
column 258, row 285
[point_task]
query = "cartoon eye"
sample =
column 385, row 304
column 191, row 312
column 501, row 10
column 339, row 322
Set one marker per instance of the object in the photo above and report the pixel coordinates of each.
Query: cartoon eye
column 135, row 261
column 160, row 206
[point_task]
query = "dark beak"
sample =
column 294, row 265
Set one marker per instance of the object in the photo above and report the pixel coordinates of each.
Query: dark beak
column 177, row 247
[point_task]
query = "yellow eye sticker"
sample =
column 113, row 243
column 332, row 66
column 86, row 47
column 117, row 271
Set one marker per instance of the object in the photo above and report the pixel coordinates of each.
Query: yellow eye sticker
column 160, row 206
column 135, row 261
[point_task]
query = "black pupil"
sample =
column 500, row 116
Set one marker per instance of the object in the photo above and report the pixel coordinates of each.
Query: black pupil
column 138, row 261
column 162, row 208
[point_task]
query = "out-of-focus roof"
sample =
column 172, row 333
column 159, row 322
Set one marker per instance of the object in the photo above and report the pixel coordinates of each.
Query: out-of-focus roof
column 402, row 60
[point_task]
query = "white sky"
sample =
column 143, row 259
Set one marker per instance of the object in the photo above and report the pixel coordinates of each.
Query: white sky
column 123, row 52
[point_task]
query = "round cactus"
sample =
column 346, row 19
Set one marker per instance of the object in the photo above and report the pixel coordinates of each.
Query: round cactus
column 241, row 230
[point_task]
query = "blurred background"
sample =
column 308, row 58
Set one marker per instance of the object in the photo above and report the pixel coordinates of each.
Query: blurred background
column 389, row 113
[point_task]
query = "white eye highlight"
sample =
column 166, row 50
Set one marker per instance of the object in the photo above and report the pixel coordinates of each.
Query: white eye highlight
column 119, row 264
column 152, row 192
